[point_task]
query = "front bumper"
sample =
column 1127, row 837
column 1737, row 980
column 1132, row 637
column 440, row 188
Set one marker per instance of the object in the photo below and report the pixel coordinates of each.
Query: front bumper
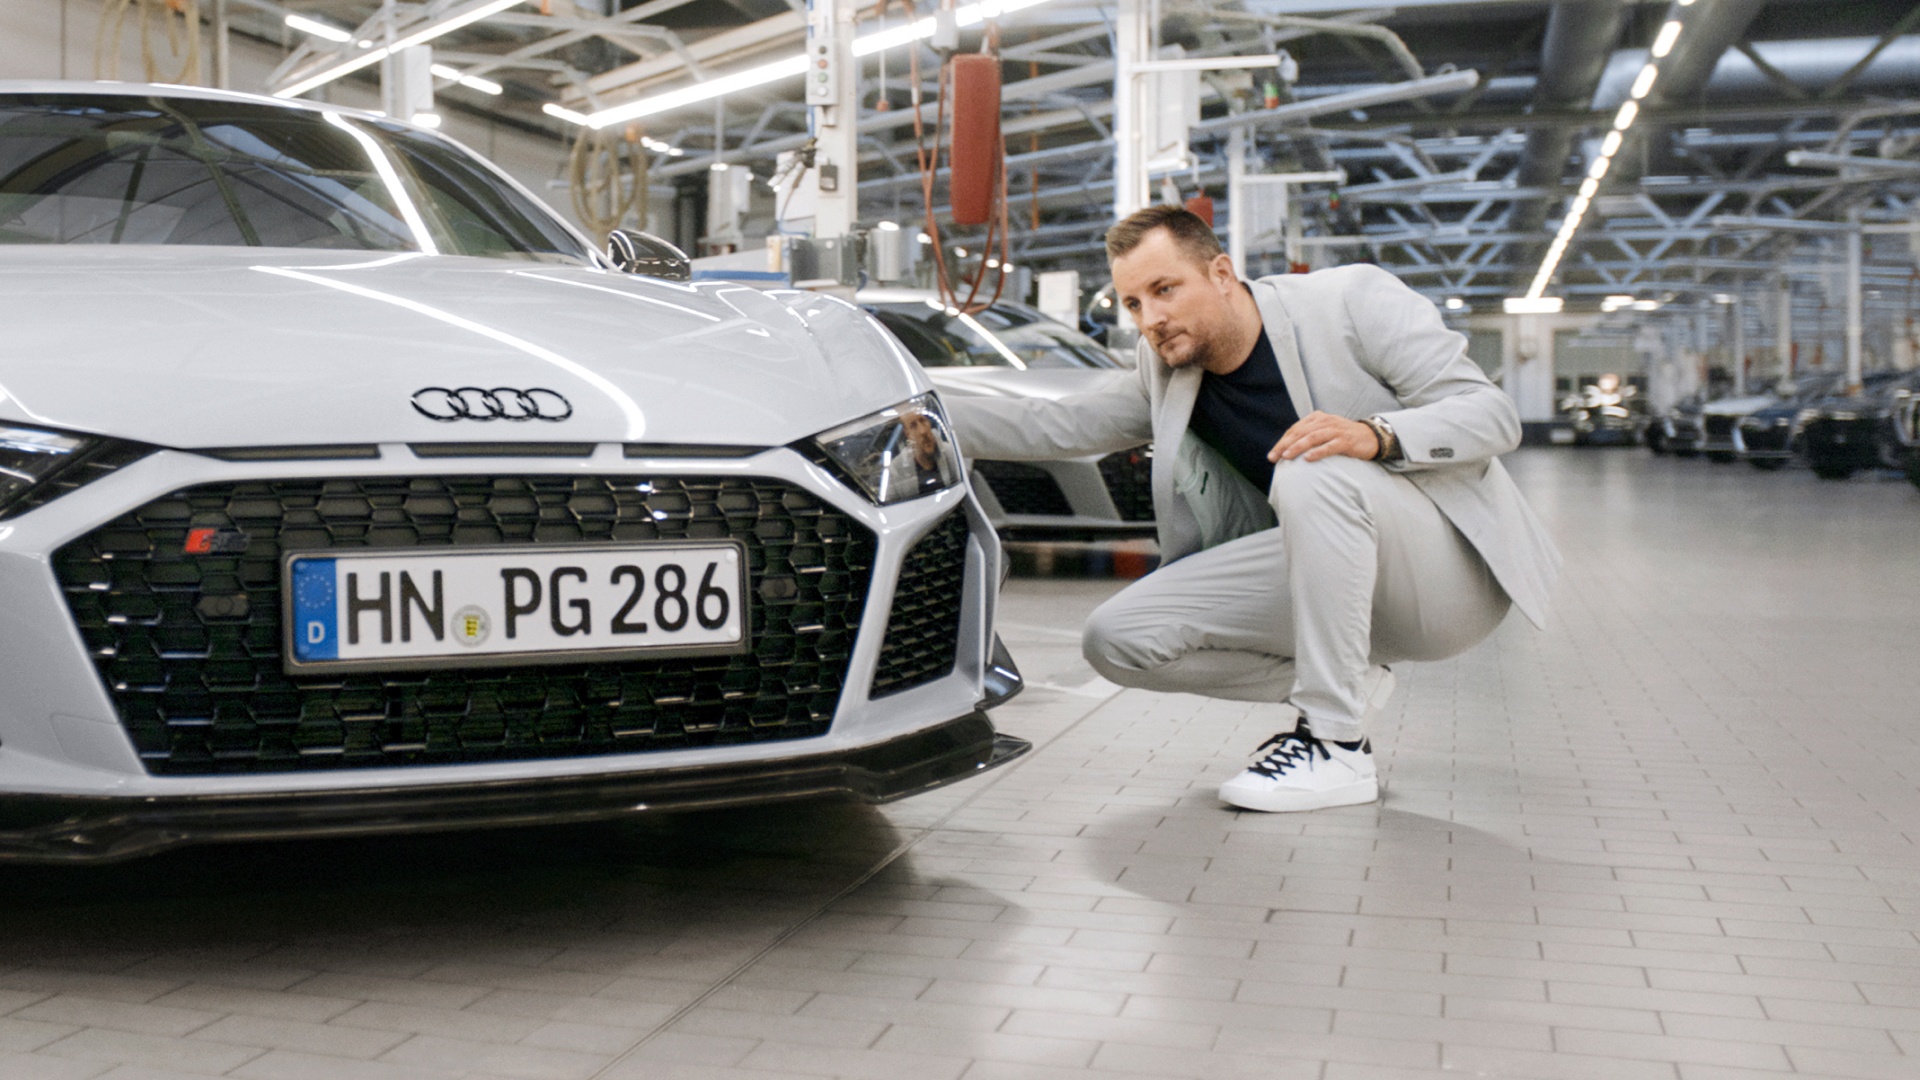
column 79, row 828
column 1862, row 443
column 1105, row 497
column 65, row 732
column 1767, row 442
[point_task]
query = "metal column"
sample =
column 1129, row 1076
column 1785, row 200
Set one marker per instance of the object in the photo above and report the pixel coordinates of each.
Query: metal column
column 1783, row 327
column 836, row 131
column 222, row 48
column 1236, row 206
column 1854, row 301
column 1132, row 45
column 1739, row 338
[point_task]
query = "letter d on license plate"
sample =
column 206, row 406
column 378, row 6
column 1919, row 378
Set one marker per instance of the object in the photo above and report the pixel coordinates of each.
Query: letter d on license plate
column 365, row 611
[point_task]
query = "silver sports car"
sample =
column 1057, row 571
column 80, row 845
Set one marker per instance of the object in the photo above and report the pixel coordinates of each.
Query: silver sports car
column 345, row 488
column 1011, row 350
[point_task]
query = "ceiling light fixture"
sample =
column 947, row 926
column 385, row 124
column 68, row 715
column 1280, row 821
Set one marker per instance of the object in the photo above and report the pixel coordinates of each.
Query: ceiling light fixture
column 471, row 82
column 1597, row 168
column 1533, row 305
column 1669, row 34
column 466, row 16
column 791, row 67
column 318, row 29
column 1643, row 82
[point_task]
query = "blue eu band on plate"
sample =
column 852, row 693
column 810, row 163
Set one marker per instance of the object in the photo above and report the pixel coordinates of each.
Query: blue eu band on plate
column 453, row 606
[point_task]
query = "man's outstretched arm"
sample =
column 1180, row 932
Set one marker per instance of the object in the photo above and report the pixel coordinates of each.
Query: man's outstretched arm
column 1031, row 429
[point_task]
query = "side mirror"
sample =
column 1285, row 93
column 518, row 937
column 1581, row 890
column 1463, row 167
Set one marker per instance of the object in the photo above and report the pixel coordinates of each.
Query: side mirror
column 644, row 253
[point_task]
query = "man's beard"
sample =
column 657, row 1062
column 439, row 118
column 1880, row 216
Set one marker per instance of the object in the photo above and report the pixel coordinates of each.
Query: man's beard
column 1200, row 349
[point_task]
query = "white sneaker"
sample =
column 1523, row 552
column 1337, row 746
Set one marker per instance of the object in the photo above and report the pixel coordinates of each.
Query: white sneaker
column 1299, row 772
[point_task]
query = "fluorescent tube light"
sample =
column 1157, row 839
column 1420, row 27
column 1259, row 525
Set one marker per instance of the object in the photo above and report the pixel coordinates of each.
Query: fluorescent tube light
column 1599, row 167
column 1669, row 34
column 449, row 25
column 471, row 82
column 419, row 36
column 318, row 29
column 1533, row 305
column 1588, row 187
column 1611, row 145
column 967, row 15
column 1629, row 112
column 1643, row 83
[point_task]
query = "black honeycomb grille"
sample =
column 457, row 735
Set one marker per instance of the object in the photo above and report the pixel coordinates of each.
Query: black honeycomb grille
column 1129, row 478
column 1719, row 429
column 923, row 629
column 190, row 645
column 1024, row 489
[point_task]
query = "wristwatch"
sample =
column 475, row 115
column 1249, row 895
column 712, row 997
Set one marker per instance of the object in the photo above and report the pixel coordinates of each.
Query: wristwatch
column 1389, row 442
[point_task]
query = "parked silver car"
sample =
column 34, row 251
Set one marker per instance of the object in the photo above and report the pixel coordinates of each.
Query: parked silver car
column 345, row 489
column 1012, row 350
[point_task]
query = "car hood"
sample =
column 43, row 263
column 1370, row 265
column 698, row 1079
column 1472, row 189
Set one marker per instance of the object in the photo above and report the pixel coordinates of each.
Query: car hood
column 1739, row 406
column 1049, row 384
column 225, row 347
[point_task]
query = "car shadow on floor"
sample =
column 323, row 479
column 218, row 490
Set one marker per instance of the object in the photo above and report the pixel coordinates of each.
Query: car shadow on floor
column 665, row 875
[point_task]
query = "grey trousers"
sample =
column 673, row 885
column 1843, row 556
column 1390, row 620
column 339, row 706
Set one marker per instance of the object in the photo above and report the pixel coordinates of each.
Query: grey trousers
column 1362, row 569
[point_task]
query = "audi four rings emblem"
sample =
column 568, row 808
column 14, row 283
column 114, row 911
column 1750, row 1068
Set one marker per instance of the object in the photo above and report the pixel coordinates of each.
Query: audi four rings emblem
column 498, row 403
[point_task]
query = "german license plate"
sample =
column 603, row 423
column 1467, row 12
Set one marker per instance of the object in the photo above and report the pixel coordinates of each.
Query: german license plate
column 468, row 607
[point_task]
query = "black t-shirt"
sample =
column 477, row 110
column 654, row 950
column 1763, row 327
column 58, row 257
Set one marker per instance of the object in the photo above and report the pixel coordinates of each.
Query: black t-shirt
column 1243, row 414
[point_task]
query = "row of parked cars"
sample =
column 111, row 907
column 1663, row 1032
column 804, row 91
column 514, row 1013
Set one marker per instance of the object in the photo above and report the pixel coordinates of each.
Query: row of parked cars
column 1810, row 418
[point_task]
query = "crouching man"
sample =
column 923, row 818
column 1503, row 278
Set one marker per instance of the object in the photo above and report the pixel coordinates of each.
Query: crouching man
column 1327, row 492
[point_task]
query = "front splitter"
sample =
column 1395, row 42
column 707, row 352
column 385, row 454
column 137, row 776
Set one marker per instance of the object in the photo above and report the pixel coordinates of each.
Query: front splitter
column 69, row 828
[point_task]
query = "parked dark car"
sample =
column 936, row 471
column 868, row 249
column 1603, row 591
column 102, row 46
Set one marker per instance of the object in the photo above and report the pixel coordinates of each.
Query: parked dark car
column 1906, row 433
column 1605, row 412
column 1770, row 438
column 1677, row 431
column 1845, row 435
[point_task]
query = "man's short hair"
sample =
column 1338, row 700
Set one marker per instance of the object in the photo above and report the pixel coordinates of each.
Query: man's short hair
column 1189, row 230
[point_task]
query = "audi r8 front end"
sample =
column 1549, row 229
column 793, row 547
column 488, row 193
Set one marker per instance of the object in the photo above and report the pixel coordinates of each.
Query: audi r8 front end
column 344, row 489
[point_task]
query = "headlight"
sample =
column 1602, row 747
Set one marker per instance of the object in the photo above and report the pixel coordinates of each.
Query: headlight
column 897, row 454
column 1805, row 417
column 1845, row 416
column 29, row 456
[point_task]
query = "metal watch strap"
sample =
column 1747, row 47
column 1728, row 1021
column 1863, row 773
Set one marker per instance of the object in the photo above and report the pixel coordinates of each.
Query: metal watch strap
column 1389, row 442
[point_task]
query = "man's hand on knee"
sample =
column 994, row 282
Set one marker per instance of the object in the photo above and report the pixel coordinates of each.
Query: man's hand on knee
column 1319, row 435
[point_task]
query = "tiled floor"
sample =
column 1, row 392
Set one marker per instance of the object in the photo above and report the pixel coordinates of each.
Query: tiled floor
column 1672, row 837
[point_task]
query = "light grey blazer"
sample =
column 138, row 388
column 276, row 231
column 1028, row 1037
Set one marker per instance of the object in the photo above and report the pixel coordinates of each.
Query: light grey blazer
column 1352, row 341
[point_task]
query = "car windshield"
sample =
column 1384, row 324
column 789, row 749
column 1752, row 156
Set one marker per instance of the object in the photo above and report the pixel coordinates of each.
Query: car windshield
column 121, row 169
column 1004, row 335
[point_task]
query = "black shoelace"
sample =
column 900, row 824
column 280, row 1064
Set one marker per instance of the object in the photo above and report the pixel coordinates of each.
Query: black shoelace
column 1295, row 747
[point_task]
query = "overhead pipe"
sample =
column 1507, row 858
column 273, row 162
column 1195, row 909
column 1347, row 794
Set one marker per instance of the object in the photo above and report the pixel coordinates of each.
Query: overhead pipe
column 1809, row 159
column 1305, row 26
column 1579, row 41
column 1451, row 82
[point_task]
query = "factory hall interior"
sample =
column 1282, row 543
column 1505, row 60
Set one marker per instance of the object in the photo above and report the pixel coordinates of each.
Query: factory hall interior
column 959, row 540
